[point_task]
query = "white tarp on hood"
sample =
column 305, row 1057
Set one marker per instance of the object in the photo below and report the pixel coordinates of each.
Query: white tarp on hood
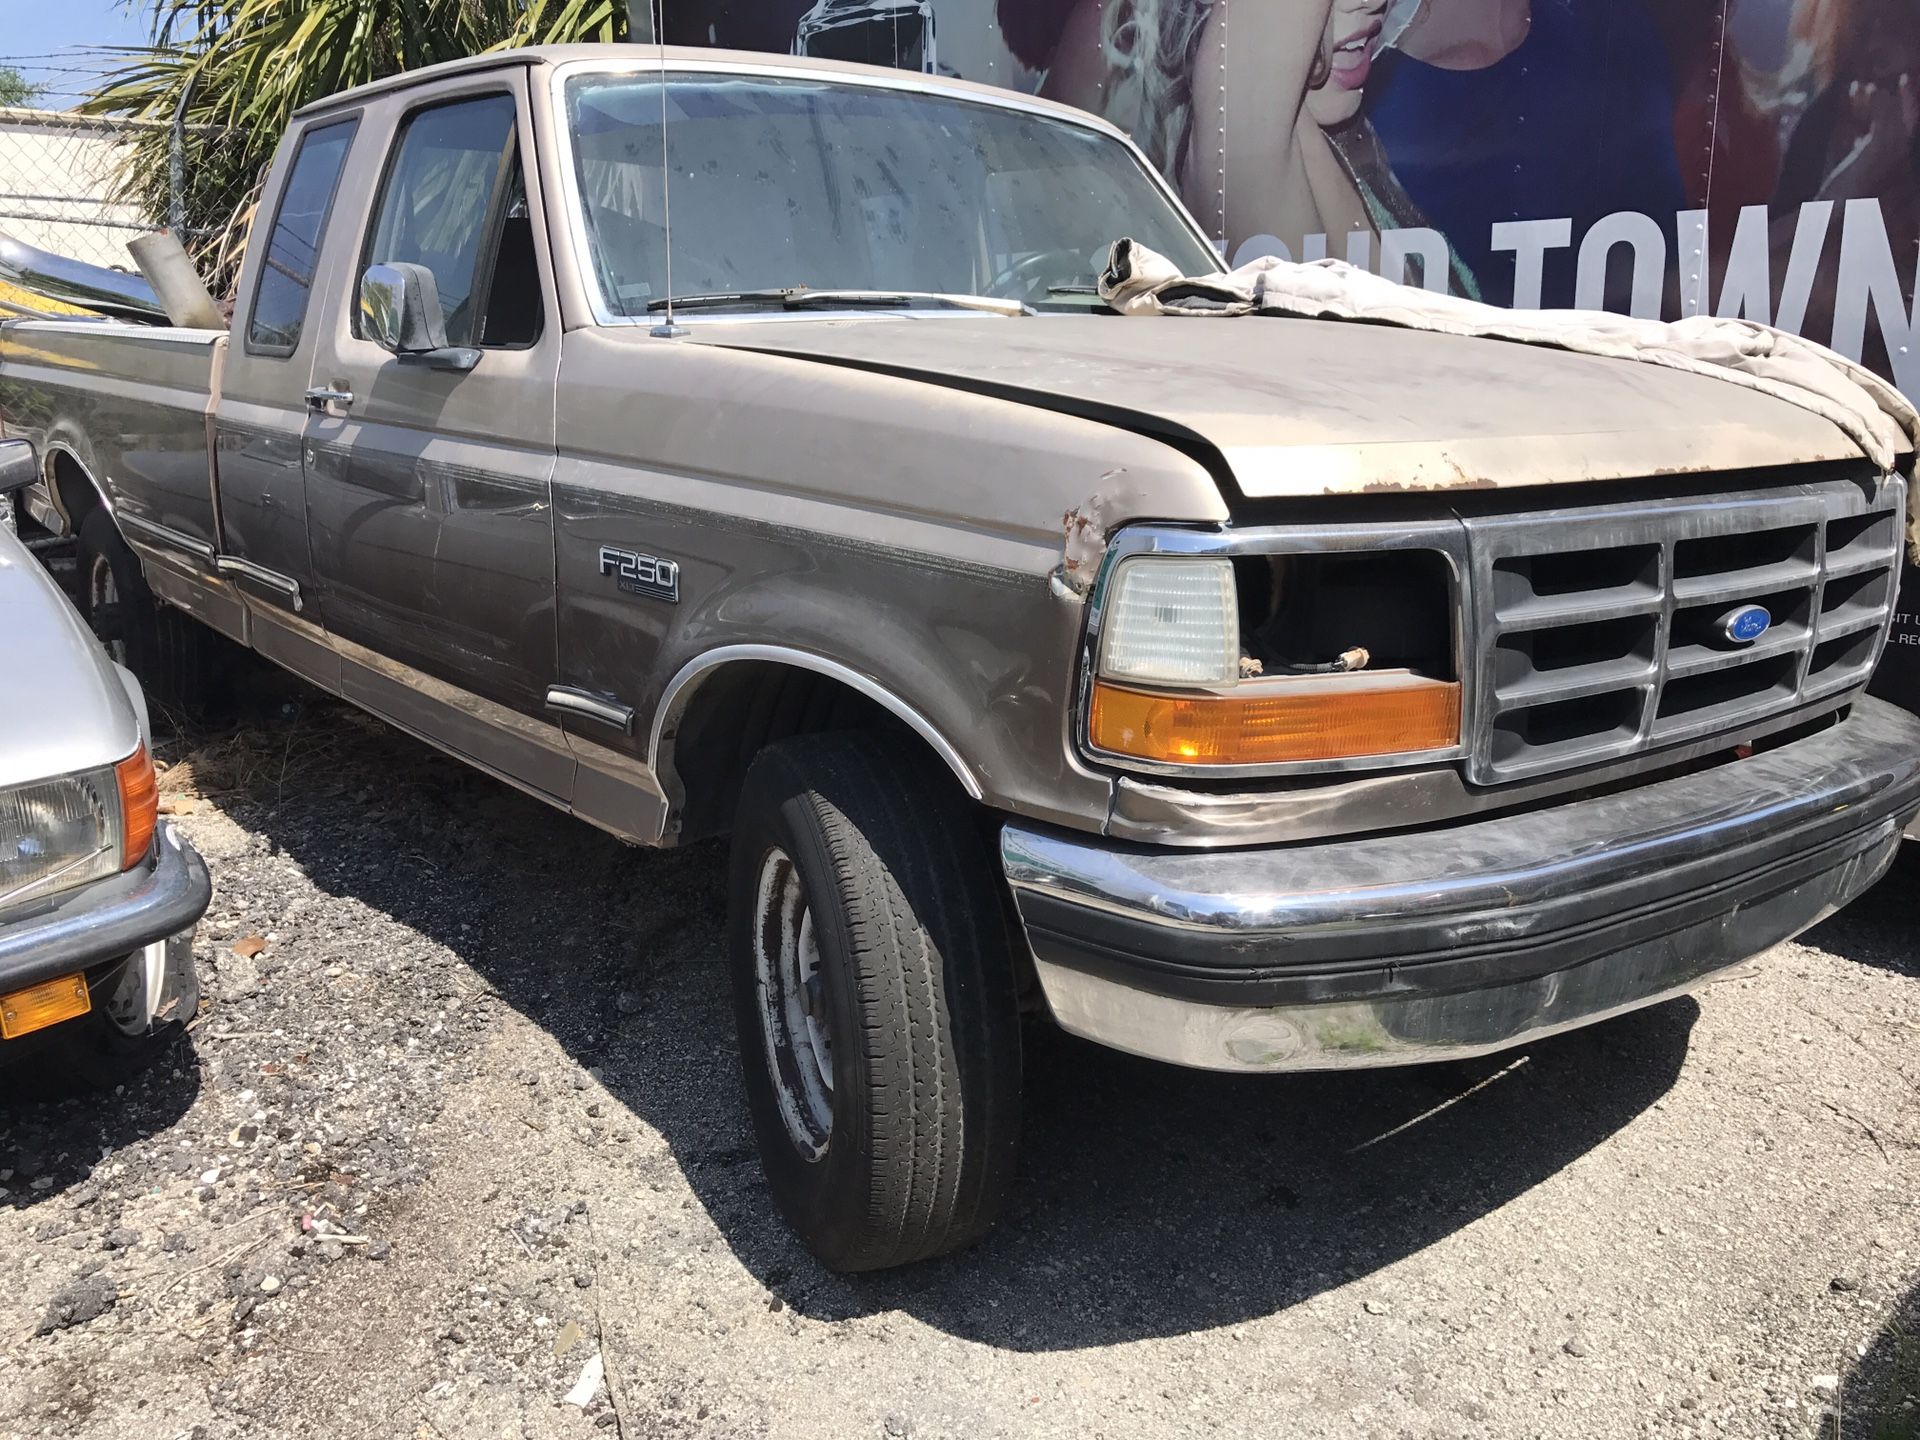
column 1874, row 415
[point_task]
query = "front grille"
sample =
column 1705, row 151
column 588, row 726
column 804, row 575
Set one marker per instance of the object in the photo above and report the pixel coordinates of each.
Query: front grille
column 1600, row 631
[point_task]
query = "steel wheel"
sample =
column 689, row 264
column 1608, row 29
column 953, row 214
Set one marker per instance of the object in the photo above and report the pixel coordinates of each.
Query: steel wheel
column 871, row 953
column 137, row 998
column 103, row 608
column 793, row 1005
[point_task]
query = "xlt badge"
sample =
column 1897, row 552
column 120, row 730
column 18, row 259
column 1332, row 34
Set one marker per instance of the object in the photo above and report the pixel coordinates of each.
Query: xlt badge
column 642, row 574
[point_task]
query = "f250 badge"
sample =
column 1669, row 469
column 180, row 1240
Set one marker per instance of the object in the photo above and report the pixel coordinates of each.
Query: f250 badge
column 642, row 574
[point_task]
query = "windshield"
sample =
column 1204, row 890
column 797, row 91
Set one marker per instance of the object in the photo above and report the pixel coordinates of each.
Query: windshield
column 787, row 183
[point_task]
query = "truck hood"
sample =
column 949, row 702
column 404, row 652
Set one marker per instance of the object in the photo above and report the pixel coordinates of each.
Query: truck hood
column 1305, row 407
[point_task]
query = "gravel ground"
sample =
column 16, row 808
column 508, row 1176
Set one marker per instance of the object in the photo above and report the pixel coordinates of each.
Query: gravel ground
column 466, row 1130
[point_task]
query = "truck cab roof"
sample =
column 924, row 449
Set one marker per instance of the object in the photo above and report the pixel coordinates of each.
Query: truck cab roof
column 704, row 58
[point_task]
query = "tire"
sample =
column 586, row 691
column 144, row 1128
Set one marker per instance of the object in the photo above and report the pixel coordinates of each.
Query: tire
column 912, row 986
column 104, row 1049
column 176, row 659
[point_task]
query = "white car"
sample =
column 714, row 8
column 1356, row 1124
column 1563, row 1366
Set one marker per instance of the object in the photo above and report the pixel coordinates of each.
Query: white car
column 99, row 897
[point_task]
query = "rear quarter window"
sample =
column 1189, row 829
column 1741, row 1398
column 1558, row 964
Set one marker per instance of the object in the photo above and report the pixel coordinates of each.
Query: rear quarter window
column 293, row 245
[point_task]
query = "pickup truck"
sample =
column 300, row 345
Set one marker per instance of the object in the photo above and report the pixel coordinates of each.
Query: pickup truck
column 716, row 444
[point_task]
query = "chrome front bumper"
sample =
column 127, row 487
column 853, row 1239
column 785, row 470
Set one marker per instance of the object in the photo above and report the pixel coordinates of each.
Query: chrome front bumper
column 1449, row 942
column 104, row 921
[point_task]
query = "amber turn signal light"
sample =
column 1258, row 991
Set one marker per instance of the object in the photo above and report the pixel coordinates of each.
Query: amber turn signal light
column 38, row 1006
column 1278, row 721
column 139, row 806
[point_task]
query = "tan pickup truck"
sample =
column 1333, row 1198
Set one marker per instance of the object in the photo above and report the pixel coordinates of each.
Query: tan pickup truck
column 1262, row 694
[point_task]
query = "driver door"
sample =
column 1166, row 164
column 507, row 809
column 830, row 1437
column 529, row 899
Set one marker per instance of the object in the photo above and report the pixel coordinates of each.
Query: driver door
column 429, row 479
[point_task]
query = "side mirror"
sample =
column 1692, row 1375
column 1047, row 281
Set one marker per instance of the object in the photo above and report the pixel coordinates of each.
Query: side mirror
column 19, row 466
column 400, row 309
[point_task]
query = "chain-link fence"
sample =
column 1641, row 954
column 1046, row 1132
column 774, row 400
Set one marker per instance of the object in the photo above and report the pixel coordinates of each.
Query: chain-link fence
column 83, row 186
column 59, row 177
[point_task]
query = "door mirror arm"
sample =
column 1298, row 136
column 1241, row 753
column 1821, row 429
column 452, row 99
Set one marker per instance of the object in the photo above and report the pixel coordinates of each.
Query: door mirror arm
column 447, row 357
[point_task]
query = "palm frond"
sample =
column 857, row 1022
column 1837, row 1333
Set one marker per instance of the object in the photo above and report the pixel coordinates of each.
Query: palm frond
column 246, row 65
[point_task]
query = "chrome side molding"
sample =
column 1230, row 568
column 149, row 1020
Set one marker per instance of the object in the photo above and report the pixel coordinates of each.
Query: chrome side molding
column 571, row 700
column 170, row 537
column 259, row 574
column 679, row 691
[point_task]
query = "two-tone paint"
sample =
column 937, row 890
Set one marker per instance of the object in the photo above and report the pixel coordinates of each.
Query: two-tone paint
column 910, row 505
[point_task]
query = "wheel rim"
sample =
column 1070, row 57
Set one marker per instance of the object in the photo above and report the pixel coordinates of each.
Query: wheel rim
column 791, row 989
column 137, row 998
column 103, row 608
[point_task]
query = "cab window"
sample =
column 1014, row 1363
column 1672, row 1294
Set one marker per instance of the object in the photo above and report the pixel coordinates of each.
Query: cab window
column 293, row 246
column 455, row 201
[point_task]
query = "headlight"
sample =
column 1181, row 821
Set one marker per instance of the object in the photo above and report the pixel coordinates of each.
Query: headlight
column 1171, row 687
column 56, row 834
column 1172, row 622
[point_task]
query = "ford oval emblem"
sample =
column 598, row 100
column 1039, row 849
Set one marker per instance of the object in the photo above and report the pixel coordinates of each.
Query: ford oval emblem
column 1747, row 624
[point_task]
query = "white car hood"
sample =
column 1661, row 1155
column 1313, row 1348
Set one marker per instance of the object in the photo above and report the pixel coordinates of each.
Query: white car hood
column 63, row 706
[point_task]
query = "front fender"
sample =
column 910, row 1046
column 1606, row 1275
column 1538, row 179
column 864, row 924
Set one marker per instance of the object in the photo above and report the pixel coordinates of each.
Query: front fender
column 931, row 543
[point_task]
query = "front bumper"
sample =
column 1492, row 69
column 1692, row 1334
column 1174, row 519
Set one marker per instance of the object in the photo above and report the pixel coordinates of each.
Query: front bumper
column 102, row 922
column 1438, row 944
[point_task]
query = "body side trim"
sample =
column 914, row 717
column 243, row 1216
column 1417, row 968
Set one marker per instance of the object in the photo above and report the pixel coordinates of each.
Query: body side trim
column 681, row 688
column 61, row 447
column 571, row 700
column 167, row 535
column 260, row 575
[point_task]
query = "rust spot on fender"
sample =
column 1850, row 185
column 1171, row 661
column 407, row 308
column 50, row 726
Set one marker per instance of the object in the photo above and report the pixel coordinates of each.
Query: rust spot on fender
column 1083, row 532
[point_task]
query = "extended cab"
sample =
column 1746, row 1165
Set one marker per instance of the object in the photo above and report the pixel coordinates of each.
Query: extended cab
column 1255, row 694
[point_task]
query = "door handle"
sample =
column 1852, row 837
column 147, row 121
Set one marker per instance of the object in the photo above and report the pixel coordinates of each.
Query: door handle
column 323, row 398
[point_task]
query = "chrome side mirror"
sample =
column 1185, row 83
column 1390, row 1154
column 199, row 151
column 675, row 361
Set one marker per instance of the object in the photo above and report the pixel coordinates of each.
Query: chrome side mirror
column 400, row 309
column 19, row 466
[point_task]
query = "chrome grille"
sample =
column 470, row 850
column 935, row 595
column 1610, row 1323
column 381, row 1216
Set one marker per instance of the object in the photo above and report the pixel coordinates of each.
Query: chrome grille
column 1599, row 631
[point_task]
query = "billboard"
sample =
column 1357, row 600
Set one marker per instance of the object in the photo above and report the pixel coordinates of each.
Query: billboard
column 1756, row 158
column 1664, row 158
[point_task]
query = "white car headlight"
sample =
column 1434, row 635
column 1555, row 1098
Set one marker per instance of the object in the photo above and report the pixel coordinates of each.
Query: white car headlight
column 55, row 834
column 1171, row 621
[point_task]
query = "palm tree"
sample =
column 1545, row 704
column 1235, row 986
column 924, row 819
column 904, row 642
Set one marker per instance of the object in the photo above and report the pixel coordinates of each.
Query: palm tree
column 243, row 67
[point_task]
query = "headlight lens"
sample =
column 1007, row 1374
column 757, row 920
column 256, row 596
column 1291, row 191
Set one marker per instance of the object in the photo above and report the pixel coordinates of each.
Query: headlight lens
column 55, row 834
column 1170, row 687
column 1172, row 622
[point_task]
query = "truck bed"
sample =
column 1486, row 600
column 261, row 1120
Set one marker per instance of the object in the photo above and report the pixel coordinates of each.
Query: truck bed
column 128, row 406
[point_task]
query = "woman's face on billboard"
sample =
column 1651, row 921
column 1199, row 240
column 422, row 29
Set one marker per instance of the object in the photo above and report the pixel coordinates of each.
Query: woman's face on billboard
column 1341, row 36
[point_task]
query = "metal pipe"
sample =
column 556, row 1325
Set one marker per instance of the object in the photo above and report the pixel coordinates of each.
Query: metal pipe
column 164, row 262
column 92, row 287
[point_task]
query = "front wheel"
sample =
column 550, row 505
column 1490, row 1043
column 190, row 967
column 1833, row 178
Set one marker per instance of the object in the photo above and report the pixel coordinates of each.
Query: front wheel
column 176, row 659
column 873, row 985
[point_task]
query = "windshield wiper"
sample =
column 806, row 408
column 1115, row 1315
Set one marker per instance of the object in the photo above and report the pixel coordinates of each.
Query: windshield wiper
column 799, row 297
column 724, row 299
column 904, row 300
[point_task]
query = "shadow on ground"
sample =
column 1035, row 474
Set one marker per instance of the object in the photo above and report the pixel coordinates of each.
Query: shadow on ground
column 1881, row 1397
column 1877, row 929
column 1152, row 1201
column 52, row 1136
